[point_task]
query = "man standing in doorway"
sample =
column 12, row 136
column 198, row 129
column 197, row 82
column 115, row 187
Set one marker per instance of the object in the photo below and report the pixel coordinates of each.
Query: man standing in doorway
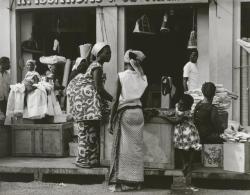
column 191, row 73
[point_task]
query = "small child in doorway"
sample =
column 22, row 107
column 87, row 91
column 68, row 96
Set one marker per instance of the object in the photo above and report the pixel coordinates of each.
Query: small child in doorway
column 31, row 77
column 186, row 136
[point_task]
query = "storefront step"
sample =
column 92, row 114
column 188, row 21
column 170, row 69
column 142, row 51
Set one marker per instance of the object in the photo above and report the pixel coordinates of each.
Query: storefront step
column 218, row 173
column 63, row 166
column 36, row 166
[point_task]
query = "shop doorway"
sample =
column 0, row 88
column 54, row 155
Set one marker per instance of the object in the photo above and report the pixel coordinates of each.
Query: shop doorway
column 166, row 52
column 71, row 27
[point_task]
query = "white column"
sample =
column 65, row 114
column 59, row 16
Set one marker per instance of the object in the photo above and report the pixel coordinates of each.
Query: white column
column 110, row 28
column 221, row 43
column 5, row 29
column 203, row 43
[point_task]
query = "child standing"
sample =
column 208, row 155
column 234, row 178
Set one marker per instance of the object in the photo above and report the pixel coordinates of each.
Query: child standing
column 186, row 136
column 4, row 83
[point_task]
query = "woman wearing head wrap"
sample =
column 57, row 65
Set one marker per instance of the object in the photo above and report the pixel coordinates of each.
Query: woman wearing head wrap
column 85, row 93
column 82, row 63
column 127, row 167
column 206, row 117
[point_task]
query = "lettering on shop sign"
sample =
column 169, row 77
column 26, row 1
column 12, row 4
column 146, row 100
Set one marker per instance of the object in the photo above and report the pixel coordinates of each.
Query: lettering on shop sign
column 85, row 3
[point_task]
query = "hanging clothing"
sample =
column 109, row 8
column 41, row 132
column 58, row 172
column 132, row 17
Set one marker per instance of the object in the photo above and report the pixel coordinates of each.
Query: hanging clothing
column 15, row 103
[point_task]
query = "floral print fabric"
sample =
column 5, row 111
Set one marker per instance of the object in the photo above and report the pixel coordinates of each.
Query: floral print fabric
column 85, row 102
column 186, row 135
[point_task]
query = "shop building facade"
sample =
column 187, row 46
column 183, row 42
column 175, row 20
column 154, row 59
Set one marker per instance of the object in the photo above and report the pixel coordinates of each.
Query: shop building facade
column 217, row 22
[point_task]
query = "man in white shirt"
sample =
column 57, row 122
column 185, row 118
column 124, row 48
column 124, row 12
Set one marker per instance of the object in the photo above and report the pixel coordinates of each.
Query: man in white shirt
column 191, row 73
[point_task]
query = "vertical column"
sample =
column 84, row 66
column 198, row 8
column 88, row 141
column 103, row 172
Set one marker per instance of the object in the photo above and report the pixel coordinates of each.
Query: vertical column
column 221, row 43
column 121, row 37
column 14, row 44
column 106, row 30
column 236, row 58
column 244, row 87
column 5, row 29
column 203, row 43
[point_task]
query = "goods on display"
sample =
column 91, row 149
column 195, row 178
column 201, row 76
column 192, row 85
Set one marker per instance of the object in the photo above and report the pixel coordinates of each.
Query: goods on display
column 236, row 133
column 222, row 99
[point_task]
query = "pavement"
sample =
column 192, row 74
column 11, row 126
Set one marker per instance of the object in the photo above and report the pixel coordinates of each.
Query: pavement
column 40, row 188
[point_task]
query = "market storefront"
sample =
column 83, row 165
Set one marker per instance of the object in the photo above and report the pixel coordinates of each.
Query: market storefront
column 37, row 24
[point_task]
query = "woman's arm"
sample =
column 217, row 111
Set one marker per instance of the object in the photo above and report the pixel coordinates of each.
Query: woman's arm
column 97, row 75
column 115, row 104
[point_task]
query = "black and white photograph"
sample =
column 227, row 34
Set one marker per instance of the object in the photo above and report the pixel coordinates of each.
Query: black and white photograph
column 102, row 97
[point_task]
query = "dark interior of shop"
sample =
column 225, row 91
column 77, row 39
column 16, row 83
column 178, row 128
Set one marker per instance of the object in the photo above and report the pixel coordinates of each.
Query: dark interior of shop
column 71, row 27
column 166, row 52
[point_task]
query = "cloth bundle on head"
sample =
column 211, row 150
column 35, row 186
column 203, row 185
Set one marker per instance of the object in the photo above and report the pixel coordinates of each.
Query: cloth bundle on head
column 84, row 53
column 97, row 48
column 85, row 50
column 135, row 62
column 52, row 59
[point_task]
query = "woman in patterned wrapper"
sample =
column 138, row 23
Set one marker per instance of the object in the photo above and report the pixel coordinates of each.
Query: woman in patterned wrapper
column 126, row 122
column 85, row 93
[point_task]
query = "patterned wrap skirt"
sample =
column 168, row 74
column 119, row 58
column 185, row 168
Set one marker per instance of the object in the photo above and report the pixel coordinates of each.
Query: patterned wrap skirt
column 127, row 151
column 88, row 143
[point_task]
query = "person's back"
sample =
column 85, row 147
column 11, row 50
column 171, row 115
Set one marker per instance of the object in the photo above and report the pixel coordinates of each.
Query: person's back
column 132, row 87
column 206, row 117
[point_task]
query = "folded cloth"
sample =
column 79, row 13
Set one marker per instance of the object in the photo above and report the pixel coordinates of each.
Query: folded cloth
column 244, row 44
column 52, row 59
column 15, row 102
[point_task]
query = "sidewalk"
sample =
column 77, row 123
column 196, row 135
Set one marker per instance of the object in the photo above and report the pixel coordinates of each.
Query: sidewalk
column 39, row 188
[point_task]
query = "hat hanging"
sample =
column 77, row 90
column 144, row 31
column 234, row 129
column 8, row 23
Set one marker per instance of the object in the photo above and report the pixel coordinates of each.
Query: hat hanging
column 142, row 26
column 192, row 42
column 165, row 25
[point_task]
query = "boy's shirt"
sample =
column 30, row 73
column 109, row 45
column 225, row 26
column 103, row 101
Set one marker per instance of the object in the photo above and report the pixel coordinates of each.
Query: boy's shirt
column 191, row 72
column 4, row 85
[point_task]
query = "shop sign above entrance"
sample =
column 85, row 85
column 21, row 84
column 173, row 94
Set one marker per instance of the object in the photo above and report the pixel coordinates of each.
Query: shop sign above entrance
column 31, row 4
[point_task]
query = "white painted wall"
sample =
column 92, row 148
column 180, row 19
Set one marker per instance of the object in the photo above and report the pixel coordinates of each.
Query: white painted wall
column 203, row 43
column 5, row 28
column 221, row 42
